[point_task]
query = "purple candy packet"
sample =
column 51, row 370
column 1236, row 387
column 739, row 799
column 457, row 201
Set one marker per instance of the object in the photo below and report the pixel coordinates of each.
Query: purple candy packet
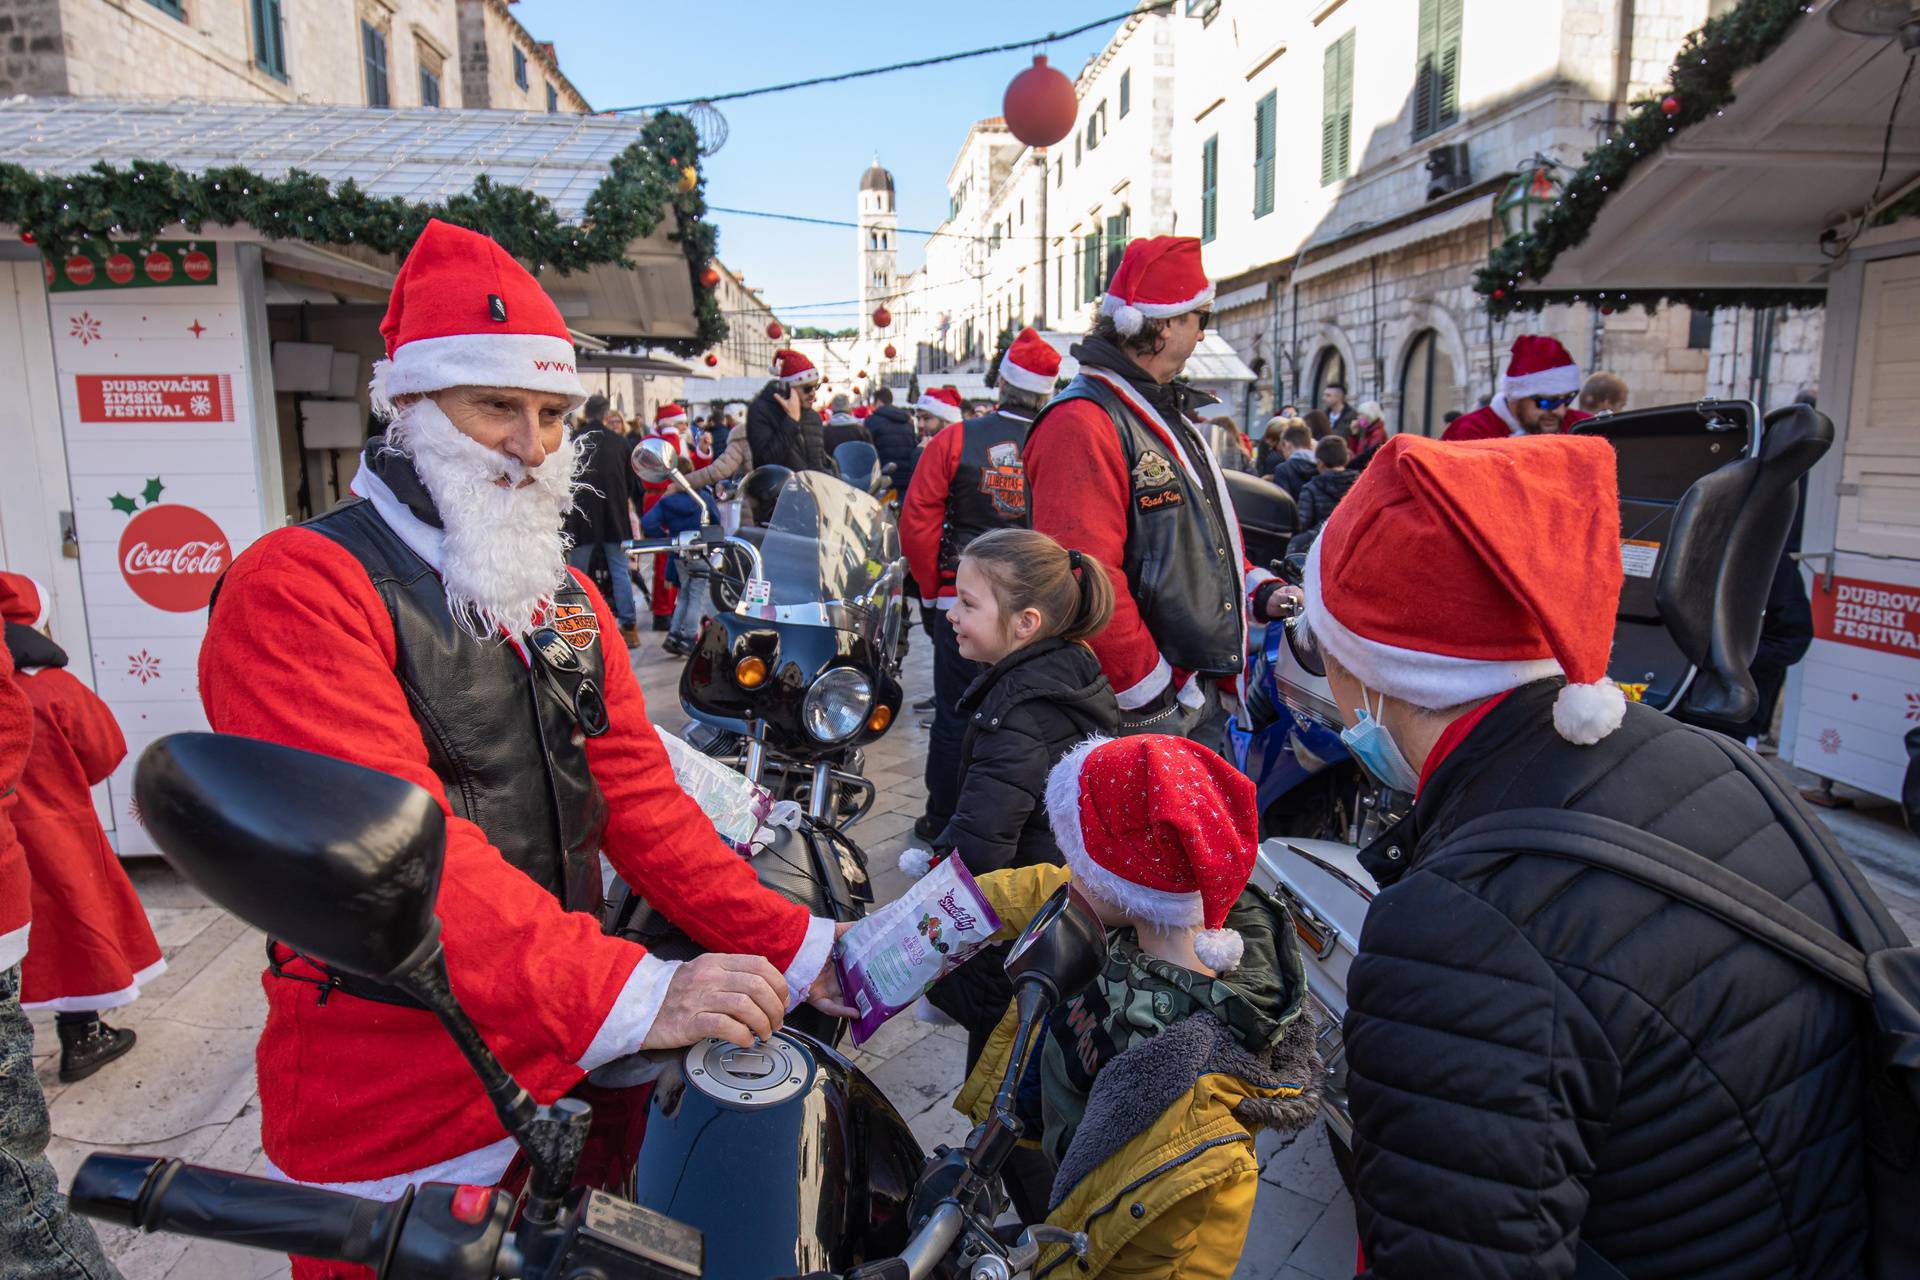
column 890, row 959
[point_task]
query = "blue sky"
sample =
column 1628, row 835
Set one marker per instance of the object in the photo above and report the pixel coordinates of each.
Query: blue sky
column 804, row 151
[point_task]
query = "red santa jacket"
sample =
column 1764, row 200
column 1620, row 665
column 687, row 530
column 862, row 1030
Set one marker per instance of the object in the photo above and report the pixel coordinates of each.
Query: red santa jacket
column 1495, row 421
column 370, row 1097
column 16, row 888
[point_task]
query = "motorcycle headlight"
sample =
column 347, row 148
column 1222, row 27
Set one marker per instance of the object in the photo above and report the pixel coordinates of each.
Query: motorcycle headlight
column 836, row 706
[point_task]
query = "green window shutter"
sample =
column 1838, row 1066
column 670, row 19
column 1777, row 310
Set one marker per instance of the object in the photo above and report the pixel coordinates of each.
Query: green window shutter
column 1447, row 61
column 269, row 46
column 1336, row 111
column 1094, row 284
column 1436, row 75
column 1126, row 92
column 1209, row 188
column 1118, row 233
column 1263, row 154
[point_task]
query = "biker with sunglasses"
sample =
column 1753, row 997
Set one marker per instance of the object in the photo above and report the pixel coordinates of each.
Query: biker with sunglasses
column 1535, row 398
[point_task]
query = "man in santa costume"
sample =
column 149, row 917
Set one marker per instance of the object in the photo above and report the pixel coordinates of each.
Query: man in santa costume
column 969, row 480
column 1535, row 398
column 669, row 424
column 433, row 631
column 40, row 1236
column 1549, row 1061
column 91, row 946
column 782, row 428
column 1116, row 469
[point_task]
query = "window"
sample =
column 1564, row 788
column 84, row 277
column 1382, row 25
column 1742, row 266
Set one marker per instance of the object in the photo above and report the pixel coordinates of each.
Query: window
column 1426, row 385
column 429, row 87
column 993, row 238
column 172, row 8
column 1095, row 284
column 1209, row 188
column 1263, row 149
column 1336, row 111
column 520, row 66
column 373, row 62
column 1078, row 140
column 1203, row 10
column 1119, row 231
column 1126, row 92
column 1060, row 171
column 1328, row 368
column 269, row 47
column 1436, row 70
column 1023, row 211
column 1079, row 272
column 1700, row 331
column 553, row 100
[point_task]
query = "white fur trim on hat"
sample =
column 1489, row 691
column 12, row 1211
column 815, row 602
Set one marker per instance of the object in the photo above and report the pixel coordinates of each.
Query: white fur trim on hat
column 1431, row 680
column 1219, row 949
column 916, row 862
column 804, row 378
column 940, row 409
column 1023, row 378
column 1585, row 713
column 1128, row 316
column 1155, row 906
column 1560, row 380
column 526, row 361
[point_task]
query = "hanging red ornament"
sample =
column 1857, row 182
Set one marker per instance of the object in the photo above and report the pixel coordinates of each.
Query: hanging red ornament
column 774, row 330
column 890, row 352
column 1499, row 294
column 709, row 279
column 882, row 317
column 1039, row 105
column 1606, row 311
column 712, row 359
column 28, row 237
column 1670, row 105
column 861, row 374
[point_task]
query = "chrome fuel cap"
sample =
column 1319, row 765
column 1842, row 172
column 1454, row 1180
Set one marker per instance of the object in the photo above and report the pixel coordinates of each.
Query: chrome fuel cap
column 762, row 1076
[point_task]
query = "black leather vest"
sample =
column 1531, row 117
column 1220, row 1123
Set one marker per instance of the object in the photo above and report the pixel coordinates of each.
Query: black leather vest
column 507, row 751
column 1181, row 567
column 989, row 486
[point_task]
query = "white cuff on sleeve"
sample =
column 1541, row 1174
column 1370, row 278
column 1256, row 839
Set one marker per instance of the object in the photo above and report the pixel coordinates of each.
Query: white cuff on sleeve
column 1139, row 694
column 1191, row 695
column 809, row 960
column 1255, row 577
column 631, row 1018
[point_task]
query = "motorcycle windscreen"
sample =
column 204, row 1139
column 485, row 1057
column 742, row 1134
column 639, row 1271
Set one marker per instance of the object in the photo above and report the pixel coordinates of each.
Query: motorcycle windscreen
column 832, row 556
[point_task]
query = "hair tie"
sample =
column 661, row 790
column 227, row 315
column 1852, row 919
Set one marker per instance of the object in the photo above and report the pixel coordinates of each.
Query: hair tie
column 1073, row 561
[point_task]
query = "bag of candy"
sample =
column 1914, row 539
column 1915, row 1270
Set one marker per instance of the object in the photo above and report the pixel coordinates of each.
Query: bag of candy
column 890, row 959
column 735, row 806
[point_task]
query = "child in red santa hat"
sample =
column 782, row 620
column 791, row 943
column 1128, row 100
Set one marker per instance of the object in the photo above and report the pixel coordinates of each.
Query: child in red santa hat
column 1153, row 1080
column 90, row 947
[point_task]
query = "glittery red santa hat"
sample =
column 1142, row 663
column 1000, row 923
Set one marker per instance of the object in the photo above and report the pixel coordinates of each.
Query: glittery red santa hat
column 23, row 600
column 1158, row 277
column 794, row 369
column 1031, row 363
column 1520, row 537
column 464, row 314
column 1161, row 828
column 942, row 402
column 1539, row 366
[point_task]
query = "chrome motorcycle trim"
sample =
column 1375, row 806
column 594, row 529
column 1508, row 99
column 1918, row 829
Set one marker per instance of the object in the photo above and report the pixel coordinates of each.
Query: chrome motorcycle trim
column 1330, row 869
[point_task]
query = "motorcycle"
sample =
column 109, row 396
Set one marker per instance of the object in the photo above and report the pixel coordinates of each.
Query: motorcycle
column 1706, row 502
column 777, row 1159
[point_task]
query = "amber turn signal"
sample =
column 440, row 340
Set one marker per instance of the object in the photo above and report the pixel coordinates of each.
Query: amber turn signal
column 750, row 673
column 882, row 717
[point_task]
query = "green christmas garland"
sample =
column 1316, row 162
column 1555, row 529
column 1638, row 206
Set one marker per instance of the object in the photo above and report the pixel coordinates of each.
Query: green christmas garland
column 137, row 203
column 1702, row 86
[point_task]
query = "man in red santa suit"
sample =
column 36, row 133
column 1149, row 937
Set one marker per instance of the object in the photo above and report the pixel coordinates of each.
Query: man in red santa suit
column 433, row 631
column 91, row 946
column 1536, row 395
column 1115, row 469
column 669, row 424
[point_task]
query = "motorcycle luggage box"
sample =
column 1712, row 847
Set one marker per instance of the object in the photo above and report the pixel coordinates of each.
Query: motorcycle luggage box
column 1266, row 513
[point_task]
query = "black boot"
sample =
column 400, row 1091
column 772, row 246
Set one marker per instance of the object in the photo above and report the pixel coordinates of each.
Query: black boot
column 88, row 1044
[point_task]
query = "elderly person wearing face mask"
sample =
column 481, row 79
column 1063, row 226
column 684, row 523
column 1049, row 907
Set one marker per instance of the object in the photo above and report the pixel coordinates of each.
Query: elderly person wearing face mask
column 434, row 631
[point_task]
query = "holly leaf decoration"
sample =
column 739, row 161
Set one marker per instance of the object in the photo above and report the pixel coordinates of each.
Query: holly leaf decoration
column 152, row 492
column 121, row 502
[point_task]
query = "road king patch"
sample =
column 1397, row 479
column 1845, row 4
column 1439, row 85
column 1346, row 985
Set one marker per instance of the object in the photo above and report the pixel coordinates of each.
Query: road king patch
column 577, row 623
column 1153, row 471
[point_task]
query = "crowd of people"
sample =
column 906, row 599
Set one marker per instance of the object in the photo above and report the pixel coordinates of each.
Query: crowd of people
column 1552, row 1073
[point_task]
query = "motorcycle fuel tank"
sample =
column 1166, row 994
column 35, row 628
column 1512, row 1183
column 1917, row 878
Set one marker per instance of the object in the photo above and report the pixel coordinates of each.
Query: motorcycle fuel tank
column 784, row 1156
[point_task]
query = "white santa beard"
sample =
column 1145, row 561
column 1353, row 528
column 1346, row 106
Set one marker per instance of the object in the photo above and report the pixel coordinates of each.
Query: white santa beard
column 503, row 552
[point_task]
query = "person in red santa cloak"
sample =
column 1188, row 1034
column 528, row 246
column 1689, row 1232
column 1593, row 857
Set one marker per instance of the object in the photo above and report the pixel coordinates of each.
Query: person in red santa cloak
column 669, row 424
column 1115, row 469
column 1535, row 398
column 969, row 480
column 91, row 947
column 433, row 631
column 39, row 1235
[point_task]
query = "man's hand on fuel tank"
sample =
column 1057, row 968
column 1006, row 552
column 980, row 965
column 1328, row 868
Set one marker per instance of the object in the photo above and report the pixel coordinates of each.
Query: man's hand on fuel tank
column 825, row 994
column 737, row 998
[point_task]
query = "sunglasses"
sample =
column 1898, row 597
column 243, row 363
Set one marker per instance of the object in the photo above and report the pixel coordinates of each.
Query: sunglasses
column 1204, row 318
column 1550, row 403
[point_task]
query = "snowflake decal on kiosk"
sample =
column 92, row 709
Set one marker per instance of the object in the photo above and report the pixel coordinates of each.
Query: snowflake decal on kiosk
column 143, row 666
column 1830, row 741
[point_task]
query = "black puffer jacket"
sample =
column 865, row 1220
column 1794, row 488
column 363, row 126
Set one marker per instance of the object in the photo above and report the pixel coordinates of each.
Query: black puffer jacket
column 1318, row 497
column 777, row 439
column 895, row 441
column 1542, row 1054
column 600, row 508
column 1023, row 713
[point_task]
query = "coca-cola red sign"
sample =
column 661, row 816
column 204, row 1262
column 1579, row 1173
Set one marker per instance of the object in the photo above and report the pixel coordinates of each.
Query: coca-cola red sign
column 172, row 555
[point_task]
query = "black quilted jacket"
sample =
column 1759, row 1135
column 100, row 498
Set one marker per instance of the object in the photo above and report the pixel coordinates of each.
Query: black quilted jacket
column 1542, row 1054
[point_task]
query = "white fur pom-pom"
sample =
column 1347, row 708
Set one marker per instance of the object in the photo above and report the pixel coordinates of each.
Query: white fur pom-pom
column 1219, row 949
column 1128, row 319
column 1586, row 713
column 916, row 862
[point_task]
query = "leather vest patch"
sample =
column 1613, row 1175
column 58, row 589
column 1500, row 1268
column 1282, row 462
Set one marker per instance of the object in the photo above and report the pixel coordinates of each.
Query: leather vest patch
column 989, row 486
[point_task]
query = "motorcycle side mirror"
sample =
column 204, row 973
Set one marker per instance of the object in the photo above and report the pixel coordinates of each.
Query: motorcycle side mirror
column 653, row 459
column 340, row 862
column 1062, row 949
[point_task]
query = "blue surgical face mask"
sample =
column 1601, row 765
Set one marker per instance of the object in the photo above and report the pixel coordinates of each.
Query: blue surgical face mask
column 1377, row 752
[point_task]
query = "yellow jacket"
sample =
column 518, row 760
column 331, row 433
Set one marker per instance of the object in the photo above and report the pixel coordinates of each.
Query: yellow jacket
column 1161, row 1173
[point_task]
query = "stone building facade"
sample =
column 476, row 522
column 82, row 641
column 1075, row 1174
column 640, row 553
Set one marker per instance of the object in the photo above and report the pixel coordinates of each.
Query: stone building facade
column 504, row 67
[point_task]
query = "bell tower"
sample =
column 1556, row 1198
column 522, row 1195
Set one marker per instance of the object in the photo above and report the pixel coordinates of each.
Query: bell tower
column 877, row 230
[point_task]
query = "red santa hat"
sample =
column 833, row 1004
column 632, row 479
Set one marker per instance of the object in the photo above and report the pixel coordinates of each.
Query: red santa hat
column 670, row 415
column 942, row 402
column 794, row 369
column 1160, row 827
column 464, row 313
column 23, row 600
column 1452, row 572
column 861, row 411
column 1031, row 363
column 1158, row 277
column 1539, row 366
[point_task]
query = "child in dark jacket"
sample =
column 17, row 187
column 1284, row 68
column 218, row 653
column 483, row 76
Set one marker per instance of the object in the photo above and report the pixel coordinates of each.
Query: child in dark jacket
column 679, row 512
column 1323, row 493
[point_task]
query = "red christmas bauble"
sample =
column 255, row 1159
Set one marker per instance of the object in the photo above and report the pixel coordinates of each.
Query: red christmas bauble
column 890, row 352
column 1039, row 105
column 709, row 278
column 861, row 374
column 882, row 317
column 28, row 237
column 712, row 360
column 1670, row 105
column 1606, row 311
column 1498, row 294
column 774, row 330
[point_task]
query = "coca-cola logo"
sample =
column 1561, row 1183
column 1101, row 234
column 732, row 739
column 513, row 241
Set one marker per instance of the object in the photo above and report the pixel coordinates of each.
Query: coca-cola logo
column 80, row 269
column 197, row 265
column 172, row 555
column 119, row 268
column 159, row 267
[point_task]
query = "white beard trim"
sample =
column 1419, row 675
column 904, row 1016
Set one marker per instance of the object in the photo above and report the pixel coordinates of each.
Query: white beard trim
column 504, row 551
